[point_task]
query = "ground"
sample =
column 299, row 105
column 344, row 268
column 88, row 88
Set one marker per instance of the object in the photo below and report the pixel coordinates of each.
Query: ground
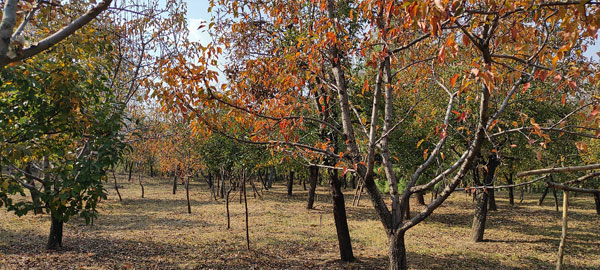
column 156, row 232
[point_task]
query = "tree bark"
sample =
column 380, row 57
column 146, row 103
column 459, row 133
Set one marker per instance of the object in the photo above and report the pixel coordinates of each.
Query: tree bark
column 312, row 177
column 56, row 234
column 597, row 200
column 175, row 184
column 543, row 196
column 35, row 197
column 117, row 186
column 563, row 236
column 187, row 195
column 397, row 252
column 511, row 195
column 555, row 199
column 479, row 217
column 130, row 172
column 420, row 198
column 227, row 206
column 246, row 207
column 290, row 184
column 141, row 185
column 341, row 221
column 492, row 199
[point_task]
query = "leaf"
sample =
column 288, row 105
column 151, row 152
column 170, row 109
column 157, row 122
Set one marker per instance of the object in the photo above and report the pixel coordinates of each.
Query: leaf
column 453, row 80
column 420, row 142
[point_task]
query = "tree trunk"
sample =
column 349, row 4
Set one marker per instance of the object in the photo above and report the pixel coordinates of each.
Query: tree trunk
column 563, row 236
column 227, row 206
column 246, row 207
column 479, row 217
column 56, row 234
column 117, row 186
column 290, row 184
column 397, row 252
column 555, row 199
column 187, row 194
column 492, row 199
column 312, row 177
column 420, row 198
column 141, row 185
column 35, row 197
column 174, row 184
column 353, row 179
column 543, row 196
column 341, row 221
column 597, row 200
column 130, row 171
column 511, row 195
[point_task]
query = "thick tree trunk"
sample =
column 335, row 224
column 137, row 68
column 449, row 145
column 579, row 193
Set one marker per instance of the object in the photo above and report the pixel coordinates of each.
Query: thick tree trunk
column 312, row 177
column 492, row 200
column 56, row 234
column 479, row 217
column 397, row 252
column 290, row 183
column 420, row 198
column 341, row 221
column 543, row 196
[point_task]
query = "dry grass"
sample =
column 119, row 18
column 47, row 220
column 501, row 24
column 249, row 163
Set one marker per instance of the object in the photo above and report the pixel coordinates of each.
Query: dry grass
column 157, row 233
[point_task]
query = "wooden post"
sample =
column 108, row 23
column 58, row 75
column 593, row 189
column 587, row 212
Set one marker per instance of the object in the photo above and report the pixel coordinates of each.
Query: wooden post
column 563, row 237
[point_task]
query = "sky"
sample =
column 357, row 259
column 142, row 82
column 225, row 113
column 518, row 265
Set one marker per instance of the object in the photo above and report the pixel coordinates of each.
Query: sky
column 198, row 13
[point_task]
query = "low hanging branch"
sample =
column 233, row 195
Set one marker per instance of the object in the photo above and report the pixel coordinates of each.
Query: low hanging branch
column 504, row 186
column 573, row 189
column 559, row 170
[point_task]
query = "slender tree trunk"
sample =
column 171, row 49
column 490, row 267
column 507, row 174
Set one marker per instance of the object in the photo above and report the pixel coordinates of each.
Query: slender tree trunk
column 130, row 172
column 597, row 200
column 116, row 185
column 246, row 207
column 187, row 194
column 555, row 199
column 407, row 208
column 227, row 206
column 174, row 184
column 420, row 198
column 56, row 234
column 341, row 221
column 522, row 195
column 397, row 252
column 543, row 196
column 222, row 190
column 141, row 185
column 353, row 179
column 563, row 236
column 312, row 177
column 511, row 195
column 290, row 184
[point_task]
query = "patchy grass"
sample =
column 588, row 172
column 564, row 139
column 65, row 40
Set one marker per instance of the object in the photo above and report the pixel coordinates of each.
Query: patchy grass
column 157, row 233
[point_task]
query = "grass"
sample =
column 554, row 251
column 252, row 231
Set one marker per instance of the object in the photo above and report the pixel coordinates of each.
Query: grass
column 157, row 233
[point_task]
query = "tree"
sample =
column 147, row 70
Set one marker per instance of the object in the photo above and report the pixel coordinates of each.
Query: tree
column 281, row 56
column 16, row 45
